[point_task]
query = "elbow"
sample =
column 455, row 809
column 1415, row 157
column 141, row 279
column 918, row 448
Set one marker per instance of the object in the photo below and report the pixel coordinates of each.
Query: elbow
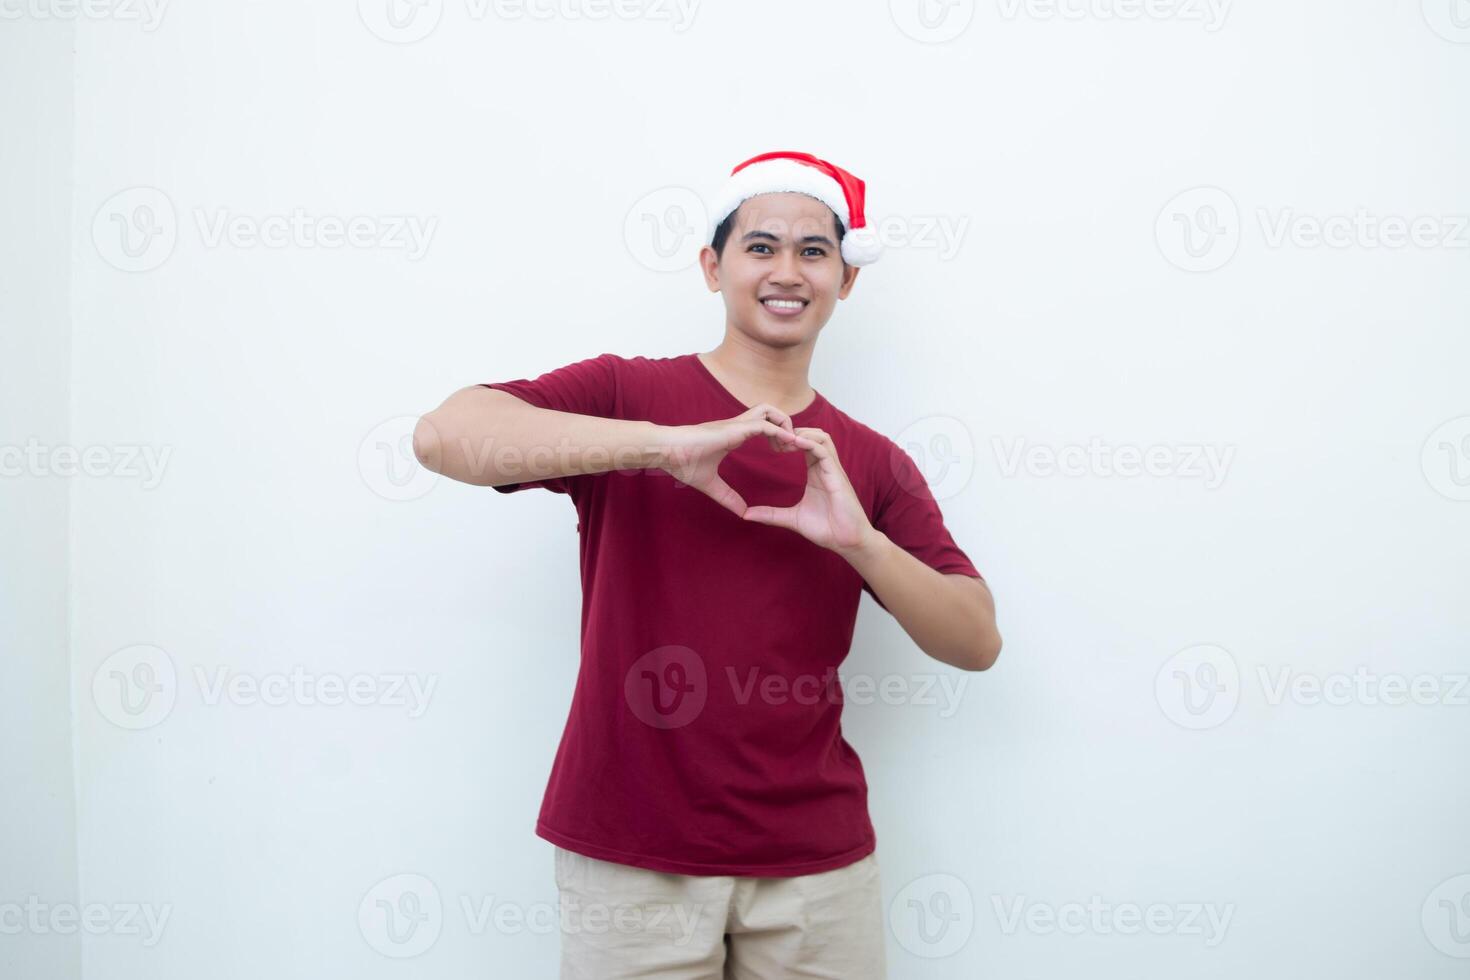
column 427, row 447
column 986, row 653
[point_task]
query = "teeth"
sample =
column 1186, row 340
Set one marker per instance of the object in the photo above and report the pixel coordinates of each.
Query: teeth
column 784, row 304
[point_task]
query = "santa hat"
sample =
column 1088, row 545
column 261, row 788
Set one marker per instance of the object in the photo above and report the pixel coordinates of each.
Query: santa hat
column 786, row 170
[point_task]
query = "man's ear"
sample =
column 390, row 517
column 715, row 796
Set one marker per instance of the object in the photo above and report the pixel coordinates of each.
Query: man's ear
column 709, row 264
column 849, row 276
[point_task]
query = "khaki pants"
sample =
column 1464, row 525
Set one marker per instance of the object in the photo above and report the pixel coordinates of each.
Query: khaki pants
column 618, row 922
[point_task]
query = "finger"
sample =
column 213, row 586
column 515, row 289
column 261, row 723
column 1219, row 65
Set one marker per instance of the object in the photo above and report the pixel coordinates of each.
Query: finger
column 765, row 411
column 725, row 495
column 775, row 516
column 781, row 440
column 823, row 457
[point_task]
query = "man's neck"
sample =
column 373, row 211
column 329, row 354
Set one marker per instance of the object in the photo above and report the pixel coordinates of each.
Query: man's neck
column 755, row 376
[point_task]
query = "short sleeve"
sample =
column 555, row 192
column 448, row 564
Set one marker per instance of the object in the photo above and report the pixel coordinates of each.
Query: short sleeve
column 587, row 387
column 909, row 515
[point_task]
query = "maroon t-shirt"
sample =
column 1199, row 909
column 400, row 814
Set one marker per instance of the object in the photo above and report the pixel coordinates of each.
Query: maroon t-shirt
column 705, row 733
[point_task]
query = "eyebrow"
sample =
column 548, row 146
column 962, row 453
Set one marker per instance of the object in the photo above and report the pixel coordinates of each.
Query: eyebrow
column 819, row 239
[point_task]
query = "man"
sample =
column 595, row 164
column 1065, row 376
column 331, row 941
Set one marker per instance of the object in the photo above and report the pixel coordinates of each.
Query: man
column 703, row 790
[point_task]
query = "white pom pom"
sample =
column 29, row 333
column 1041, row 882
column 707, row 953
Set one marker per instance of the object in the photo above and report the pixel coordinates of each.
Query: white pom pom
column 861, row 246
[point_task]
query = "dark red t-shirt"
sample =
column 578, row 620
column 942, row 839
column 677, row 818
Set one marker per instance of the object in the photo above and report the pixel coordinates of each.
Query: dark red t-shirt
column 705, row 732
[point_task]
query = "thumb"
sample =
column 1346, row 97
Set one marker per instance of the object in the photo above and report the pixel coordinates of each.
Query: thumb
column 724, row 495
column 766, row 514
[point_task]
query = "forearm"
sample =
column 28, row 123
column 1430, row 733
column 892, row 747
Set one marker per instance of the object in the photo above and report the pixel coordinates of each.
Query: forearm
column 950, row 616
column 488, row 438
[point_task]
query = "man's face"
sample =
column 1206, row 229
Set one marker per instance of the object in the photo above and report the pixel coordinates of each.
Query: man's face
column 782, row 245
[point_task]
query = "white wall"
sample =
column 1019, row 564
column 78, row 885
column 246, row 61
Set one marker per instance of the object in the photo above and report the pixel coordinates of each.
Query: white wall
column 38, row 856
column 261, row 513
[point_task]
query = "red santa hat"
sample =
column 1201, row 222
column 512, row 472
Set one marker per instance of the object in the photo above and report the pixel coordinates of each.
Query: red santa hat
column 802, row 173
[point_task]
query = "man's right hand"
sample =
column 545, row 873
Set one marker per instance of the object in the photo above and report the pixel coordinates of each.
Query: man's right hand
column 692, row 454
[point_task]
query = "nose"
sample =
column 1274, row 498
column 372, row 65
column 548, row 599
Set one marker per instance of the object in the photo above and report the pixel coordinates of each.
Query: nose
column 786, row 270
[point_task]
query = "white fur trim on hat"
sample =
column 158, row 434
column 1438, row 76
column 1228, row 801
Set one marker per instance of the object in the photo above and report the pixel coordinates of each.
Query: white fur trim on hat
column 859, row 246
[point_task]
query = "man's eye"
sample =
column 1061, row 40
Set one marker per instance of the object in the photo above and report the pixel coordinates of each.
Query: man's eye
column 817, row 249
column 758, row 245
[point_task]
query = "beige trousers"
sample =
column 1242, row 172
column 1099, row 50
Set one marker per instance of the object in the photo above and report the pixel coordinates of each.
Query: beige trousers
column 619, row 922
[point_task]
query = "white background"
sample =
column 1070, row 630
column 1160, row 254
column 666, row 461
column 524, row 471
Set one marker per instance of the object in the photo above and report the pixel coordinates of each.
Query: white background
column 1113, row 188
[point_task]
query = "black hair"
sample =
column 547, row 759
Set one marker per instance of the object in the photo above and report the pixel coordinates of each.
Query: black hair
column 722, row 233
